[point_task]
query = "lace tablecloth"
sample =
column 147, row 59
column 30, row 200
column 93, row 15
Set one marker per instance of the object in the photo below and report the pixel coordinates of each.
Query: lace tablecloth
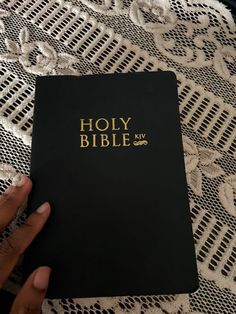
column 196, row 40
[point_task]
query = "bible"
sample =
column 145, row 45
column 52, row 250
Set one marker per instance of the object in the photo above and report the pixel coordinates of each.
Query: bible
column 107, row 155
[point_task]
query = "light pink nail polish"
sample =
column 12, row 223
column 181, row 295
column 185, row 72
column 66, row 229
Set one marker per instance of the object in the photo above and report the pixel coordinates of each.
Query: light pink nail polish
column 19, row 180
column 43, row 208
column 41, row 278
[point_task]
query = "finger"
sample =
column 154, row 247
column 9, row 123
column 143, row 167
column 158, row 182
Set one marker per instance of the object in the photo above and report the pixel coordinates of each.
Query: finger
column 31, row 295
column 13, row 246
column 12, row 199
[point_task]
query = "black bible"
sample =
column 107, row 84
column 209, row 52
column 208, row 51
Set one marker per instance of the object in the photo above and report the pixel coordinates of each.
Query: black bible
column 107, row 155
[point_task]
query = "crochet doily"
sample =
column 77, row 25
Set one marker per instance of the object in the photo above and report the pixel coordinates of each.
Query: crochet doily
column 196, row 40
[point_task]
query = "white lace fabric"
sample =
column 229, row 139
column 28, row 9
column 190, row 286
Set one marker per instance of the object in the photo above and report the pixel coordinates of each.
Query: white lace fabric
column 196, row 40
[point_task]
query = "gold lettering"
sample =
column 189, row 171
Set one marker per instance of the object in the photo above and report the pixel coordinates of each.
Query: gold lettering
column 125, row 122
column 126, row 139
column 104, row 140
column 82, row 124
column 139, row 136
column 84, row 139
column 94, row 140
column 106, row 123
column 114, row 140
column 113, row 123
column 101, row 139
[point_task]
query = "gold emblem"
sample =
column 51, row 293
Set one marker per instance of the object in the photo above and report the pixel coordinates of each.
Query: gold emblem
column 139, row 143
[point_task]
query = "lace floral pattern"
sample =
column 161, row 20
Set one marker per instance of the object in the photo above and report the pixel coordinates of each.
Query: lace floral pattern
column 48, row 61
column 196, row 40
column 202, row 40
column 227, row 194
column 154, row 16
column 197, row 34
column 3, row 13
column 200, row 161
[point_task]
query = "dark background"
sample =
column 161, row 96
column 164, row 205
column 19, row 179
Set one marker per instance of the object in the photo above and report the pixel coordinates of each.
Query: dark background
column 231, row 5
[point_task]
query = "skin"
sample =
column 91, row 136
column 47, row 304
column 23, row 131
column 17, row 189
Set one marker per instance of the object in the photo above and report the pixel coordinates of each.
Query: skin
column 31, row 295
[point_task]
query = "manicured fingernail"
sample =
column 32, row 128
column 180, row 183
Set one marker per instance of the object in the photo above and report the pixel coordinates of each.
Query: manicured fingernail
column 19, row 180
column 41, row 278
column 43, row 208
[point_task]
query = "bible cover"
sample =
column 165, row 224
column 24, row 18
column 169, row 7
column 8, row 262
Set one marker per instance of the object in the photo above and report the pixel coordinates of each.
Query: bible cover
column 107, row 155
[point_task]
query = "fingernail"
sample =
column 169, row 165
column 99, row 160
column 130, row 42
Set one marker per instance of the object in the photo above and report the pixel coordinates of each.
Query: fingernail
column 41, row 278
column 43, row 208
column 19, row 180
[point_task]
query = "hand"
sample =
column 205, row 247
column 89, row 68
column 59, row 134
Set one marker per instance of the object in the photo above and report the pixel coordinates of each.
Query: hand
column 31, row 295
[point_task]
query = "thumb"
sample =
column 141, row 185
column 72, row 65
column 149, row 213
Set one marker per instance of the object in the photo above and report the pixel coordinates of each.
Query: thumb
column 31, row 295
